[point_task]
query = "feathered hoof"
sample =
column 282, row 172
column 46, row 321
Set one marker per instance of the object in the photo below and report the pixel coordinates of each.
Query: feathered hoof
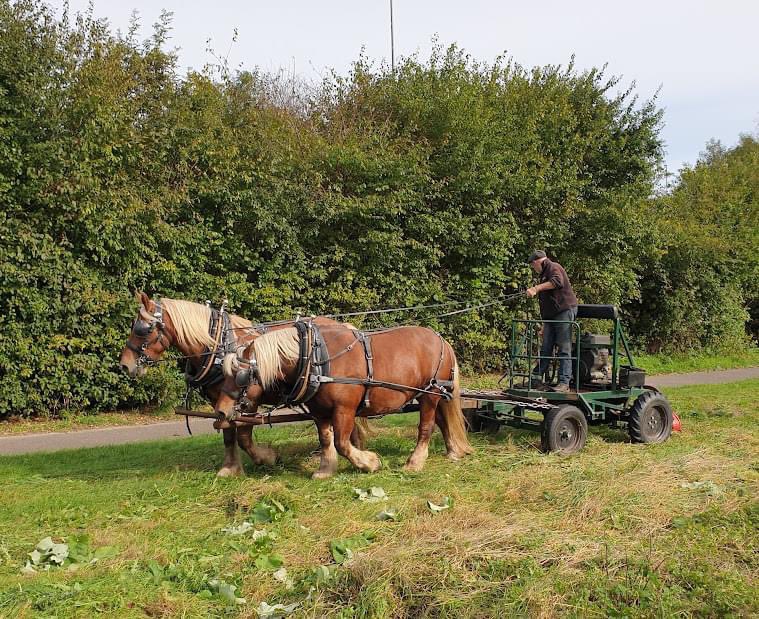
column 453, row 456
column 413, row 467
column 372, row 462
column 265, row 456
column 322, row 474
column 231, row 471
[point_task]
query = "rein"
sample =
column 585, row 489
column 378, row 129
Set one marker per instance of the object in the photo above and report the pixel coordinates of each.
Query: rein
column 499, row 299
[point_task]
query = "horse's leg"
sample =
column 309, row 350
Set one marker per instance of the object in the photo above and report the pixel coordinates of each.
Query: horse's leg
column 258, row 453
column 427, row 408
column 343, row 420
column 232, row 467
column 328, row 465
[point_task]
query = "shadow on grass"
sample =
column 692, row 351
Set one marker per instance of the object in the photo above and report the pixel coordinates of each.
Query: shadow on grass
column 527, row 439
column 119, row 461
column 296, row 445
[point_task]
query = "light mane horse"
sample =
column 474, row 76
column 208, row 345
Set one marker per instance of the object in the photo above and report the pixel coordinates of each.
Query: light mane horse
column 184, row 325
column 408, row 363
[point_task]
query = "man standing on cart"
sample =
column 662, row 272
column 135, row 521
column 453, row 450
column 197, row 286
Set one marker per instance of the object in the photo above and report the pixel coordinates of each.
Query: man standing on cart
column 557, row 301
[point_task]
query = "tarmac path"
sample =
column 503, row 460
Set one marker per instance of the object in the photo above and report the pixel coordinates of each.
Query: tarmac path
column 118, row 435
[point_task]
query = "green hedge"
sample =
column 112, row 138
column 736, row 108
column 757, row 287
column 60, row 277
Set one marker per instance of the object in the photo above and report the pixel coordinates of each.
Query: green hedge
column 373, row 190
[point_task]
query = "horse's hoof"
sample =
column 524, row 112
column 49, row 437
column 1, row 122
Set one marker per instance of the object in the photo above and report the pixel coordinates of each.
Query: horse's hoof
column 231, row 471
column 373, row 463
column 266, row 456
column 413, row 467
column 453, row 457
column 322, row 475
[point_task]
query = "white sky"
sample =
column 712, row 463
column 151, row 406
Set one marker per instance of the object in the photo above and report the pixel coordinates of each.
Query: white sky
column 705, row 55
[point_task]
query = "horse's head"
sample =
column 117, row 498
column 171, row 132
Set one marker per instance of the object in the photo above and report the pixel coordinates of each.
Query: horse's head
column 147, row 340
column 242, row 385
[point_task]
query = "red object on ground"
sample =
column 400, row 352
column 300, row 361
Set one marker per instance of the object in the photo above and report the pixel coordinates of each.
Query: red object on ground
column 676, row 425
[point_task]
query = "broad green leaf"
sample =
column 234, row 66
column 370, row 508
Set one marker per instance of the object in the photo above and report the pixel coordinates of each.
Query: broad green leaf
column 276, row 611
column 268, row 562
column 156, row 571
column 243, row 527
column 447, row 504
column 373, row 494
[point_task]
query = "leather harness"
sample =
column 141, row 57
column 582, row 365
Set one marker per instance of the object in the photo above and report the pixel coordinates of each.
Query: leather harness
column 313, row 369
column 210, row 373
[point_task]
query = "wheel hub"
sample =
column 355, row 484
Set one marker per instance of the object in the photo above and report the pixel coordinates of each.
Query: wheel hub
column 566, row 434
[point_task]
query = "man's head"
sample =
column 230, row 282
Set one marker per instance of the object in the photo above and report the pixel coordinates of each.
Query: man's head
column 536, row 260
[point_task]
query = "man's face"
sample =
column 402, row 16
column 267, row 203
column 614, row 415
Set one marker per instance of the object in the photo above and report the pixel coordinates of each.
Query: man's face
column 537, row 265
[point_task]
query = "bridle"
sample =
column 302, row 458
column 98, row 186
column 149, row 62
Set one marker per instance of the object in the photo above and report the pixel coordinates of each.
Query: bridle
column 142, row 328
column 246, row 375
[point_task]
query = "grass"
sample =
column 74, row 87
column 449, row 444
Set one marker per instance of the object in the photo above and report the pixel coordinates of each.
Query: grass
column 698, row 361
column 618, row 529
column 71, row 423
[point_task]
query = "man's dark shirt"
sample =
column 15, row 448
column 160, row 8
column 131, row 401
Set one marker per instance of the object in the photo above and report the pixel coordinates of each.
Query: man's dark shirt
column 560, row 298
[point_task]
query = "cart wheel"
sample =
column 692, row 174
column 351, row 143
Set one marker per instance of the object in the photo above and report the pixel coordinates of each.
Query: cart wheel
column 565, row 430
column 650, row 418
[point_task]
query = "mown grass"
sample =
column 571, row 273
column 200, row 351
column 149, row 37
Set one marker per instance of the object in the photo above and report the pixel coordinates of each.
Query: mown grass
column 698, row 361
column 618, row 529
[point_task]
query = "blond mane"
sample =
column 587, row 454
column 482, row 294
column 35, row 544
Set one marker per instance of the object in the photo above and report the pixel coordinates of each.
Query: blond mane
column 190, row 322
column 272, row 351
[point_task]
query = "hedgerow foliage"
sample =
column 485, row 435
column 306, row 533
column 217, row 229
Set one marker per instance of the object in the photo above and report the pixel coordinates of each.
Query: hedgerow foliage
column 702, row 276
column 371, row 190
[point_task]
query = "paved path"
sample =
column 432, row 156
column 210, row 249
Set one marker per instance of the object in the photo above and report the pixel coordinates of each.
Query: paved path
column 55, row 441
column 114, row 435
column 702, row 378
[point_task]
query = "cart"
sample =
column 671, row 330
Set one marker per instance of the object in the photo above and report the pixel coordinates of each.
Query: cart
column 606, row 388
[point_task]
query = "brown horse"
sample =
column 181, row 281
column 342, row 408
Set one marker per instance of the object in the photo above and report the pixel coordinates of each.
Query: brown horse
column 185, row 326
column 406, row 363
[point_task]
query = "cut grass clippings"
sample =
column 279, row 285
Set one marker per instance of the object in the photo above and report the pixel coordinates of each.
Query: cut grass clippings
column 617, row 529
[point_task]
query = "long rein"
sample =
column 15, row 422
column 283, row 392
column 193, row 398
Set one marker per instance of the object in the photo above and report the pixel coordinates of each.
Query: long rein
column 256, row 327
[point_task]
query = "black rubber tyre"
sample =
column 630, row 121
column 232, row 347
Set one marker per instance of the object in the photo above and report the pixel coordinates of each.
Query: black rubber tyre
column 650, row 418
column 564, row 431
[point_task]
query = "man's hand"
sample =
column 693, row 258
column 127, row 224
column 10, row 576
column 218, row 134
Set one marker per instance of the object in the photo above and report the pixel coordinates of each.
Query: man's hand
column 531, row 292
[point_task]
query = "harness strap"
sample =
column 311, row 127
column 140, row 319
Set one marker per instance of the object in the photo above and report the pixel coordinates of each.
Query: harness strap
column 366, row 342
column 434, row 382
column 395, row 386
column 304, row 363
column 217, row 330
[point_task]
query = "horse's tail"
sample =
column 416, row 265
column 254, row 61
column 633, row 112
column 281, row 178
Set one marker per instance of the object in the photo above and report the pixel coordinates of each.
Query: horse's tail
column 361, row 432
column 452, row 419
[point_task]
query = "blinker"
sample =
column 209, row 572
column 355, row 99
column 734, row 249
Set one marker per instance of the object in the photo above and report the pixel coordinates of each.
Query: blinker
column 142, row 328
column 243, row 378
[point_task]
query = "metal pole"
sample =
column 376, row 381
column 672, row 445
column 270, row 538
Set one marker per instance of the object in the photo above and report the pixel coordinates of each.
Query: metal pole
column 392, row 39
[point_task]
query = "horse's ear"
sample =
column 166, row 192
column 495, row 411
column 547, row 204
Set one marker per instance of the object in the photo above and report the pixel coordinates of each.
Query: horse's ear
column 145, row 300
